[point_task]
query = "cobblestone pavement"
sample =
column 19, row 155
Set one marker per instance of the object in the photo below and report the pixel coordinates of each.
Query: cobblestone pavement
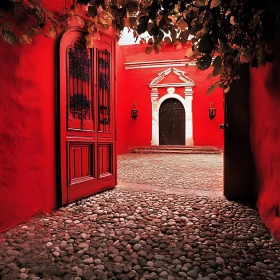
column 129, row 234
column 187, row 171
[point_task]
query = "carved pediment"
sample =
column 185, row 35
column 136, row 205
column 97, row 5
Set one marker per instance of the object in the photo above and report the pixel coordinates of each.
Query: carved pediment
column 183, row 79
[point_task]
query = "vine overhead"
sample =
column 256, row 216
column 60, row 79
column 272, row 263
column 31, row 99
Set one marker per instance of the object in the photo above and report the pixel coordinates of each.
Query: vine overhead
column 218, row 33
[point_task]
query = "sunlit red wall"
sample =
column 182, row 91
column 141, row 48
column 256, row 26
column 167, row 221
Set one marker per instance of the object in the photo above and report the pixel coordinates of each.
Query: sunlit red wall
column 27, row 125
column 135, row 88
column 123, row 121
column 265, row 139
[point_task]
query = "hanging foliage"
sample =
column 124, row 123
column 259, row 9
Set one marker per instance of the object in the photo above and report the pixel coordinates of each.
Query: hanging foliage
column 79, row 62
column 235, row 31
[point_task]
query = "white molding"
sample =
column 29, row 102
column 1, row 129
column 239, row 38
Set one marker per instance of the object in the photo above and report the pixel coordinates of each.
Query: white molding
column 158, row 63
column 187, row 82
column 186, row 102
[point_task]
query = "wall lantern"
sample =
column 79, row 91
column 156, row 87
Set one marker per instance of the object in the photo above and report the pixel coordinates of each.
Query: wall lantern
column 212, row 111
column 134, row 111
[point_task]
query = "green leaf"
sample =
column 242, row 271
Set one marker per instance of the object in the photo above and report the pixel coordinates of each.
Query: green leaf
column 132, row 21
column 173, row 35
column 206, row 44
column 9, row 37
column 24, row 39
column 149, row 49
column 204, row 62
column 200, row 2
column 210, row 89
column 210, row 76
column 18, row 8
column 143, row 25
column 92, row 11
column 227, row 89
column 215, row 3
column 217, row 84
column 217, row 71
column 217, row 63
column 167, row 40
column 182, row 24
column 156, row 49
column 132, row 7
column 184, row 35
column 261, row 57
column 52, row 32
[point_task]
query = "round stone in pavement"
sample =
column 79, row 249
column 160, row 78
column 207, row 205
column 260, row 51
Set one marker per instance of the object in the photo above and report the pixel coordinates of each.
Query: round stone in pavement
column 105, row 244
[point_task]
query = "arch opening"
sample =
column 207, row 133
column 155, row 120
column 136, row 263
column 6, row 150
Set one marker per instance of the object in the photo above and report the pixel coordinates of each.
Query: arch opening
column 171, row 122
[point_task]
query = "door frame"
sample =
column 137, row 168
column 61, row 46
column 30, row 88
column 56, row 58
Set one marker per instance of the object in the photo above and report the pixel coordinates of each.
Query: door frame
column 187, row 104
column 61, row 121
column 185, row 84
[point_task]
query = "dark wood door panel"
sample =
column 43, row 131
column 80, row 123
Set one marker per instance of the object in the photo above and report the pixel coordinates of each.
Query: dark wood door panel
column 105, row 161
column 172, row 123
column 81, row 163
column 239, row 169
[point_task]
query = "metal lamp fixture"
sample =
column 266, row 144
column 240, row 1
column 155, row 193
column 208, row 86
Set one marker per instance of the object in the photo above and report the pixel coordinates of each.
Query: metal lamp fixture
column 134, row 111
column 212, row 111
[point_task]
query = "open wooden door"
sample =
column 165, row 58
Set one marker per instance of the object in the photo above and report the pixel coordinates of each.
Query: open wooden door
column 239, row 169
column 86, row 112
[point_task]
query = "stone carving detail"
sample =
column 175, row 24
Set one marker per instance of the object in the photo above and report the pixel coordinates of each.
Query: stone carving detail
column 187, row 82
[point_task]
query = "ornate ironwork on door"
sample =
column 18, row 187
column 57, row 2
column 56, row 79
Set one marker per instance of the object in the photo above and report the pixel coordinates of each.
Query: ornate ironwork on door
column 86, row 115
column 104, row 90
column 79, row 87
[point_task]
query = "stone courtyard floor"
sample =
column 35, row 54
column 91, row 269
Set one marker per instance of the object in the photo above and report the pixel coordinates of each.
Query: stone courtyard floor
column 186, row 171
column 143, row 233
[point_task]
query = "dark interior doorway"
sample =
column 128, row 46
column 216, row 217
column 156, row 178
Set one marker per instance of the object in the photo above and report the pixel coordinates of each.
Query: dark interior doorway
column 172, row 123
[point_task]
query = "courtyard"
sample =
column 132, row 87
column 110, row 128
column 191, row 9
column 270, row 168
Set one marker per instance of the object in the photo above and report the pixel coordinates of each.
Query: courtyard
column 163, row 230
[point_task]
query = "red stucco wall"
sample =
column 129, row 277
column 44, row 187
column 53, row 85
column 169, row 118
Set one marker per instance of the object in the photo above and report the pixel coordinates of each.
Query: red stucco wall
column 123, row 119
column 265, row 139
column 27, row 125
column 206, row 132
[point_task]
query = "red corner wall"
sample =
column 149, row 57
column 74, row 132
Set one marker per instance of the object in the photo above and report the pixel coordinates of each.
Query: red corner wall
column 134, row 88
column 27, row 125
column 265, row 140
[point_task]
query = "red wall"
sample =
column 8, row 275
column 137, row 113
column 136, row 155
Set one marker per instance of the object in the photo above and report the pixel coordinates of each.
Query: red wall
column 265, row 139
column 138, row 132
column 123, row 120
column 27, row 125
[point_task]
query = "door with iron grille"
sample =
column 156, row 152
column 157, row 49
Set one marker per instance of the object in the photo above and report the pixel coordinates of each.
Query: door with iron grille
column 86, row 113
column 172, row 123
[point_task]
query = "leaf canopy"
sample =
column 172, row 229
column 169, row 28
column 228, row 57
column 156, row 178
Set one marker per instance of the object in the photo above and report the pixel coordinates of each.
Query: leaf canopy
column 221, row 33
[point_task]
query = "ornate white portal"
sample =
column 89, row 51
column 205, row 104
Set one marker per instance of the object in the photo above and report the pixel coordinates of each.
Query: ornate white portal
column 188, row 85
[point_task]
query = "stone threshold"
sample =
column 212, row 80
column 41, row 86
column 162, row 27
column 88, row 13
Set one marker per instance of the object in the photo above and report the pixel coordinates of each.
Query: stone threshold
column 178, row 150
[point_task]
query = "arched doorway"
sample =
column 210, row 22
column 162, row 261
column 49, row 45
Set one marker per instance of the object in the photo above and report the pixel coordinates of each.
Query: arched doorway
column 172, row 122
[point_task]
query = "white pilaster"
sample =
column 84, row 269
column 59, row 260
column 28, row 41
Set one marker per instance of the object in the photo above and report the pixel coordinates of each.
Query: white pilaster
column 155, row 121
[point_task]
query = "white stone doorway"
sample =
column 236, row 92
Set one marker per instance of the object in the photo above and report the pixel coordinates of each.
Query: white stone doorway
column 184, row 83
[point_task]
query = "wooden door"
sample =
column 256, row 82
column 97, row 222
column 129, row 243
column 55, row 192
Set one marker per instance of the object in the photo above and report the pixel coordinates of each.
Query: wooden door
column 172, row 123
column 239, row 169
column 86, row 112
